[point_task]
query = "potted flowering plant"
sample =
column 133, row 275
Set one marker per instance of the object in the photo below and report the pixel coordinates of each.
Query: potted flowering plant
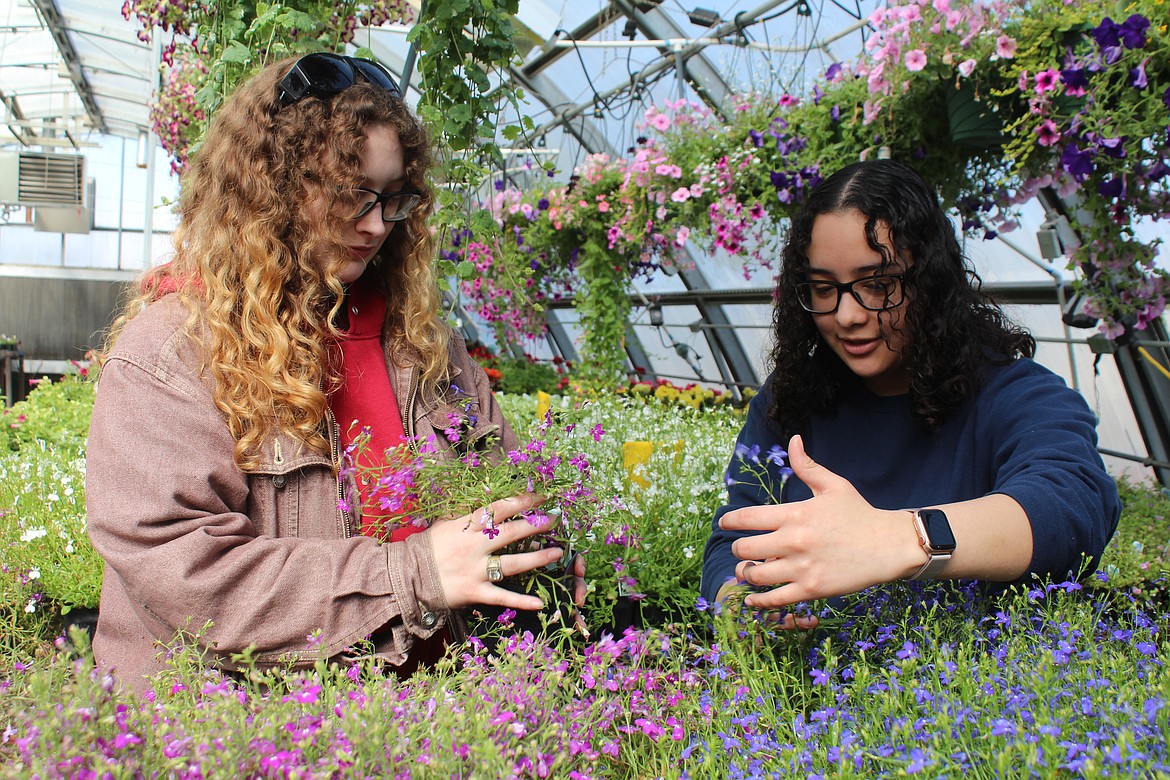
column 989, row 101
column 416, row 484
column 992, row 101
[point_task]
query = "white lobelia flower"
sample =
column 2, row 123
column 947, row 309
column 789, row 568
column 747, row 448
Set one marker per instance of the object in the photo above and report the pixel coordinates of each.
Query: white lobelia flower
column 33, row 533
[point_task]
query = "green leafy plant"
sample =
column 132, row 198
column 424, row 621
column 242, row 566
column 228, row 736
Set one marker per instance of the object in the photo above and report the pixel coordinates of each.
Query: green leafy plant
column 213, row 47
column 56, row 413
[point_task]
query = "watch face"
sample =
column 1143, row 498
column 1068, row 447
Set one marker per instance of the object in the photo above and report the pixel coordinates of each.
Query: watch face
column 938, row 530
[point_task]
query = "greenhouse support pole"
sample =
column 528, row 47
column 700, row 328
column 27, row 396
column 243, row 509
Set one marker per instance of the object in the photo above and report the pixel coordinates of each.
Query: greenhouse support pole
column 1149, row 391
column 148, row 216
column 411, row 54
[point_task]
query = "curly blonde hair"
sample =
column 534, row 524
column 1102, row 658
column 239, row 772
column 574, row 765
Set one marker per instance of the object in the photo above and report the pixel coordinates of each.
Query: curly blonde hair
column 259, row 246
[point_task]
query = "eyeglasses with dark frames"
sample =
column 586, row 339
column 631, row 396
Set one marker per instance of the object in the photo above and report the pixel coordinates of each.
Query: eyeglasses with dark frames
column 874, row 293
column 323, row 74
column 396, row 206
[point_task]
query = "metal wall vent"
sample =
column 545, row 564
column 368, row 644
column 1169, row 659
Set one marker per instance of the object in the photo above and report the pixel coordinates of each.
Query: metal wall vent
column 40, row 179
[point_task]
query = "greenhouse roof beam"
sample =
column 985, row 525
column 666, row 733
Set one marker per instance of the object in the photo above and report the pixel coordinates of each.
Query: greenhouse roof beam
column 583, row 32
column 545, row 89
column 636, row 80
column 51, row 16
column 703, row 77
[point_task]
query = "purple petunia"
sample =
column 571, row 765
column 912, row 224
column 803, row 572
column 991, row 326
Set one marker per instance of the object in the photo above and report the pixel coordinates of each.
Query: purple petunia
column 1133, row 31
column 1107, row 34
column 1077, row 162
column 1137, row 76
column 1076, row 81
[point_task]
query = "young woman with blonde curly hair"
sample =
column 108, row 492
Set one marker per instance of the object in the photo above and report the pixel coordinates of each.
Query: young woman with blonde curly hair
column 301, row 298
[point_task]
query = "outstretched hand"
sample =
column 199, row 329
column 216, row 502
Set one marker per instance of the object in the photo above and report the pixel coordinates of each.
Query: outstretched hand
column 829, row 545
column 462, row 550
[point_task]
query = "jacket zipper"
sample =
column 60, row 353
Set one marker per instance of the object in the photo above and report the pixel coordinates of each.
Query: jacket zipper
column 407, row 409
column 335, row 457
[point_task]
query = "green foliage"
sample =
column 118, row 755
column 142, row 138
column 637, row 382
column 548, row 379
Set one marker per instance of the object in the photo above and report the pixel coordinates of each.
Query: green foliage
column 1137, row 559
column 603, row 305
column 47, row 564
column 891, row 683
column 213, row 47
column 1051, row 684
column 526, row 376
column 670, row 498
column 43, row 527
column 56, row 413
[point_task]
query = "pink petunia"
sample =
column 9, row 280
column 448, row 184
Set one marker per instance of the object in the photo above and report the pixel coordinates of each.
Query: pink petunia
column 966, row 68
column 680, row 195
column 661, row 122
column 1047, row 133
column 915, row 60
column 1046, row 80
column 1005, row 46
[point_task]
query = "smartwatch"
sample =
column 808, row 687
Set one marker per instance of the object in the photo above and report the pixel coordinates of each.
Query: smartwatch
column 937, row 540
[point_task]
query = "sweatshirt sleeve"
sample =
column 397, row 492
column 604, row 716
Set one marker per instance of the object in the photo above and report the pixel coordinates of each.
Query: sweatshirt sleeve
column 745, row 480
column 1044, row 440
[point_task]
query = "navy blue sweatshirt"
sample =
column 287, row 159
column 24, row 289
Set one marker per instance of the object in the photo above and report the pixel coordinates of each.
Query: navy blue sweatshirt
column 1024, row 434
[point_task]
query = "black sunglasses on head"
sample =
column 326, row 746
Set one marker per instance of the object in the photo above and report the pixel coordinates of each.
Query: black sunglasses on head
column 323, row 74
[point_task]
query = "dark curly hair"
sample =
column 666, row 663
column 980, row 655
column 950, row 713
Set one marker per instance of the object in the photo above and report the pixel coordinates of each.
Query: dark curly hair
column 952, row 328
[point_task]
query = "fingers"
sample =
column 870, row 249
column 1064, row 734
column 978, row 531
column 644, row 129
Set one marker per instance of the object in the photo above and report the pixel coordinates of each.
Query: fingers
column 519, row 563
column 765, row 517
column 783, row 596
column 580, row 587
column 818, row 478
column 495, row 514
column 787, row 621
column 505, row 508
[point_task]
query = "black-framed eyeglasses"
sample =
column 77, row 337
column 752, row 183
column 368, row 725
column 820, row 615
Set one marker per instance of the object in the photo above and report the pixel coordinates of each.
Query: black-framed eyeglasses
column 324, row 74
column 875, row 293
column 395, row 205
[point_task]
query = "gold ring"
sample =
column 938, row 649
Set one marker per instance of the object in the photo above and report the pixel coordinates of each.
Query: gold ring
column 494, row 572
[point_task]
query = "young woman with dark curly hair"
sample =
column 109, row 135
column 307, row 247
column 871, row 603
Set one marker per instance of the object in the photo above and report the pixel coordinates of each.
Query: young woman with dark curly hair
column 301, row 298
column 942, row 449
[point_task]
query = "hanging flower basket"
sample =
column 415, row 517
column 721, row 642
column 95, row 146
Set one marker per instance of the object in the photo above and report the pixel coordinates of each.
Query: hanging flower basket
column 972, row 121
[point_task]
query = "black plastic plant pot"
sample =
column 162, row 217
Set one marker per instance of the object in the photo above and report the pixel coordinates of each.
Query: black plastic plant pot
column 552, row 583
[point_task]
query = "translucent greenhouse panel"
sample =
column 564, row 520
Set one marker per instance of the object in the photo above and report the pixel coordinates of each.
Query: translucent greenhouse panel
column 725, row 272
column 21, row 245
column 1098, row 381
column 753, row 326
column 570, row 323
column 660, row 282
column 676, row 352
column 97, row 249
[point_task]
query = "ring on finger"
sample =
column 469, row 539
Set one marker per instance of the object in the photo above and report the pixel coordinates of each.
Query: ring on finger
column 494, row 572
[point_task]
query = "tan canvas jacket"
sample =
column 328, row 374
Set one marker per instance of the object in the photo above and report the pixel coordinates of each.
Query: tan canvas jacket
column 268, row 556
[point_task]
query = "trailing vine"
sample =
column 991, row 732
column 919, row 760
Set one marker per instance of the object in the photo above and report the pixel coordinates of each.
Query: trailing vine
column 603, row 305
